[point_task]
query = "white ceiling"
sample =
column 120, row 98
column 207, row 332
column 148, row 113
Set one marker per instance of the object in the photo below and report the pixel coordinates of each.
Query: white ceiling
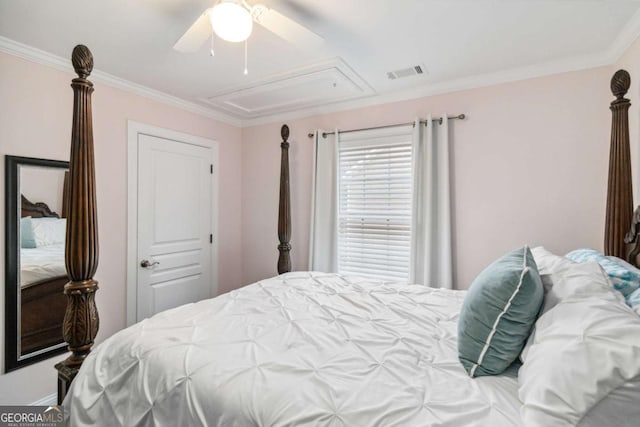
column 462, row 43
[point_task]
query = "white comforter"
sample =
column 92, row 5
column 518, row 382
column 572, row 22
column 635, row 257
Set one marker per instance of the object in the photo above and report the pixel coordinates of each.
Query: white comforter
column 41, row 263
column 301, row 349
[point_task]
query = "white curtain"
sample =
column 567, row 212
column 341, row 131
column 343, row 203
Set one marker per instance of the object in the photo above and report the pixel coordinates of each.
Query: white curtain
column 323, row 245
column 431, row 238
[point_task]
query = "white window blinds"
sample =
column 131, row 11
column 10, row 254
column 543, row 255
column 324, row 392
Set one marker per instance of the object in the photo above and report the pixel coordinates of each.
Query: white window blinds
column 375, row 203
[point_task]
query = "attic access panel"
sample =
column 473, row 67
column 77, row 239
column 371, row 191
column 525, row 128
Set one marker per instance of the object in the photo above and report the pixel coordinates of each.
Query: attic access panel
column 311, row 86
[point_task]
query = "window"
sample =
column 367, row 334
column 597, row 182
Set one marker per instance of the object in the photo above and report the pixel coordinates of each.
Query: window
column 375, row 204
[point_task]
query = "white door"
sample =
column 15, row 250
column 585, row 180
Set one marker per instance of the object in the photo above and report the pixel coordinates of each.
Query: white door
column 174, row 224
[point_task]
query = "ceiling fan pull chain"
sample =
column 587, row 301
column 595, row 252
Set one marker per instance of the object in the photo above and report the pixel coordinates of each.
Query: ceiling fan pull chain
column 246, row 70
column 212, row 52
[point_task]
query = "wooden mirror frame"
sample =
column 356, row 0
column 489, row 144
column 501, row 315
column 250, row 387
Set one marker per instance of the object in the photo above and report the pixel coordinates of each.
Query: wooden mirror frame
column 13, row 301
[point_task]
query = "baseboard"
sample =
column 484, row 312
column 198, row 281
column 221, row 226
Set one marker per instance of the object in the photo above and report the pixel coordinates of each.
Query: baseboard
column 52, row 399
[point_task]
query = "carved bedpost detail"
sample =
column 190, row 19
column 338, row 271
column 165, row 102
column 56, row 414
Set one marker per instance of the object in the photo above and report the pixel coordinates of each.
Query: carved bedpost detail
column 632, row 238
column 284, row 211
column 619, row 191
column 81, row 247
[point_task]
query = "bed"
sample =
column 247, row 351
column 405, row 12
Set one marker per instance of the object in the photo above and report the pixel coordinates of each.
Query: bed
column 307, row 348
column 39, row 265
column 42, row 278
column 300, row 349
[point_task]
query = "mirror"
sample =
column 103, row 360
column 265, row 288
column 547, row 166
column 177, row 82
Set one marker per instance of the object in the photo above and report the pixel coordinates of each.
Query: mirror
column 34, row 259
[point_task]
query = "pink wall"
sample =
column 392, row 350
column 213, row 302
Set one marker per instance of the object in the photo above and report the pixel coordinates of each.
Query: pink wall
column 43, row 185
column 529, row 167
column 35, row 121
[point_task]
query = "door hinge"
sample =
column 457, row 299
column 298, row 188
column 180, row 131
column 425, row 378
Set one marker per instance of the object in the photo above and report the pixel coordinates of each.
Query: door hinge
column 211, row 238
column 211, row 169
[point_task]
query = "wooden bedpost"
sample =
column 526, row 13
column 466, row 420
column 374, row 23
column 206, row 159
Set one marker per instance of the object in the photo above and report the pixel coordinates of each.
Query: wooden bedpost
column 81, row 247
column 284, row 211
column 619, row 191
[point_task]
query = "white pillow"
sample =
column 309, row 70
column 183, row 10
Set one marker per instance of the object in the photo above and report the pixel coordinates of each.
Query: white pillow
column 49, row 231
column 585, row 347
column 548, row 264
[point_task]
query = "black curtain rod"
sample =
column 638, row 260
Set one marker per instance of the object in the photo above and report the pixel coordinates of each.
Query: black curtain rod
column 435, row 119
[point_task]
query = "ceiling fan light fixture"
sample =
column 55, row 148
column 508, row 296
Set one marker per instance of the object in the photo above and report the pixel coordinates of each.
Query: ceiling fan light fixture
column 231, row 21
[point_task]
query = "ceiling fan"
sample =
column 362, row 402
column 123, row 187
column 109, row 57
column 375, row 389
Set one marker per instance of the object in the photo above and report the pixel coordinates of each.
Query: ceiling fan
column 232, row 20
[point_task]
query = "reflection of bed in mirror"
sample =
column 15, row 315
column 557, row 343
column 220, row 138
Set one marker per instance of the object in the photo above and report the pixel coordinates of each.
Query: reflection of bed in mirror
column 42, row 277
column 35, row 273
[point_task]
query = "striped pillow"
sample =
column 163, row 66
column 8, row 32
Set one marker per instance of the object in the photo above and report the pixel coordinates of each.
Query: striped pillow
column 498, row 313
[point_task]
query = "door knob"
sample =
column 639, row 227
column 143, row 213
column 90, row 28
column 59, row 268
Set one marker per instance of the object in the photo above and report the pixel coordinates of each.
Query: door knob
column 145, row 263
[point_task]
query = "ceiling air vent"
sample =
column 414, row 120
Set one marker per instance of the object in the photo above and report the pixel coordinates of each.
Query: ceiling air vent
column 407, row 72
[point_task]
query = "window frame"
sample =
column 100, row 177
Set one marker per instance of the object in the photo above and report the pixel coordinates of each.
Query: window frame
column 399, row 136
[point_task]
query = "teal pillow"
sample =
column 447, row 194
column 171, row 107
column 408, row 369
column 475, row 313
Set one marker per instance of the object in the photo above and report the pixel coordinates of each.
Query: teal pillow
column 27, row 239
column 498, row 313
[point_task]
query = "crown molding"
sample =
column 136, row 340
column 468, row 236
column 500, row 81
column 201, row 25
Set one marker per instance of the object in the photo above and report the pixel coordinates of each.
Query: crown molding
column 629, row 33
column 33, row 54
column 443, row 87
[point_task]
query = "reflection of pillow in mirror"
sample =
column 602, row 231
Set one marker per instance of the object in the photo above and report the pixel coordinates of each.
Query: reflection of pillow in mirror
column 27, row 240
column 49, row 231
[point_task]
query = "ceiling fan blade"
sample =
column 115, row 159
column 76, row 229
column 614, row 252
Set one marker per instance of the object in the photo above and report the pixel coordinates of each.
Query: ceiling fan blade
column 285, row 28
column 195, row 36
